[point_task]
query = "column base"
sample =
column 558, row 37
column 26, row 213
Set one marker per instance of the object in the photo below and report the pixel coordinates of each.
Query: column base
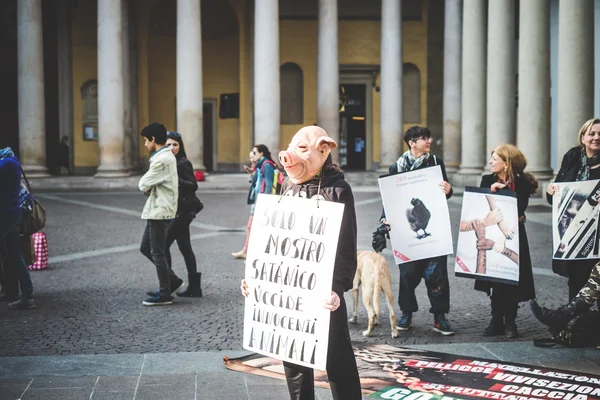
column 541, row 173
column 111, row 172
column 467, row 176
column 35, row 171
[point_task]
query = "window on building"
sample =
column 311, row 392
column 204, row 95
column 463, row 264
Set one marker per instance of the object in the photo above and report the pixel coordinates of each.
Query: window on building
column 292, row 94
column 411, row 94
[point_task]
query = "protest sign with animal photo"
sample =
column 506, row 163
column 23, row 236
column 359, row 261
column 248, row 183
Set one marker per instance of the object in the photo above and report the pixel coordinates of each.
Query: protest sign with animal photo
column 417, row 212
column 289, row 271
column 488, row 240
column 575, row 215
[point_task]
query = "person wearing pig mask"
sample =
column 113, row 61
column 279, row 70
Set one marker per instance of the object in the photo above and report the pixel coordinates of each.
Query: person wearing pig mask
column 313, row 175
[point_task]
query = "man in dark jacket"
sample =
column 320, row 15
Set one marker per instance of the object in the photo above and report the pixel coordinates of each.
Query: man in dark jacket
column 433, row 270
column 10, row 220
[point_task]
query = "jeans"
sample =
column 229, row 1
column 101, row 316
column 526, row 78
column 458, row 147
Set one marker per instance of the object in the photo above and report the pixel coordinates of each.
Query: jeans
column 179, row 230
column 435, row 272
column 153, row 247
column 9, row 233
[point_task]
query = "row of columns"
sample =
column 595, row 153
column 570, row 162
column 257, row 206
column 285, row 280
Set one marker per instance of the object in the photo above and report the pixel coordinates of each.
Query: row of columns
column 480, row 108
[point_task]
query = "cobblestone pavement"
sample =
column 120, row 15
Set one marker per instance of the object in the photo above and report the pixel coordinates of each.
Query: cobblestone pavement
column 89, row 301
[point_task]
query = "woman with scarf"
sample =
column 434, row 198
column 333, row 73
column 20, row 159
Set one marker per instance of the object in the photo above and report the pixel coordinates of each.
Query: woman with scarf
column 433, row 270
column 188, row 205
column 579, row 164
column 507, row 165
column 262, row 182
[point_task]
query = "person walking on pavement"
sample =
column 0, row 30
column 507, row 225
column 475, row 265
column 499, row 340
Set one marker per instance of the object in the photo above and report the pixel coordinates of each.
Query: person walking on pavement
column 581, row 163
column 160, row 184
column 558, row 319
column 507, row 165
column 10, row 221
column 262, row 182
column 433, row 270
column 188, row 206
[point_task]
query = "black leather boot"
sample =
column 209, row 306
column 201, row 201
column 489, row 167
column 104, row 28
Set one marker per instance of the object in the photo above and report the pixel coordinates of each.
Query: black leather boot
column 556, row 320
column 496, row 326
column 194, row 288
column 510, row 326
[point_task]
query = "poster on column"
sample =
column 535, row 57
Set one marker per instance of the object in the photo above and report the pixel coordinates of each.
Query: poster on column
column 289, row 271
column 417, row 211
column 488, row 237
column 575, row 214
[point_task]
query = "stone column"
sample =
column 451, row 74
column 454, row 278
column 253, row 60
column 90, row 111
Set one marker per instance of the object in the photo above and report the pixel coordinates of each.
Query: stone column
column 128, row 136
column 267, row 105
column 452, row 81
column 111, row 130
column 501, row 75
column 533, row 113
column 474, row 46
column 65, row 74
column 189, row 79
column 328, row 77
column 32, row 117
column 391, row 82
column 575, row 71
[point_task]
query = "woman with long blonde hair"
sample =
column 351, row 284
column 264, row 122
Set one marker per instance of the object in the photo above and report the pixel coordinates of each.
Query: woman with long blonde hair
column 507, row 165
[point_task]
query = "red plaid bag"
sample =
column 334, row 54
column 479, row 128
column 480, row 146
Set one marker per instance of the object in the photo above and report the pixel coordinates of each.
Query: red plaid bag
column 40, row 244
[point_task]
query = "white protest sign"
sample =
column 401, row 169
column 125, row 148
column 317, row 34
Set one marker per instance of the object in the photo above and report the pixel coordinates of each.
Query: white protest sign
column 417, row 211
column 488, row 239
column 575, row 215
column 289, row 271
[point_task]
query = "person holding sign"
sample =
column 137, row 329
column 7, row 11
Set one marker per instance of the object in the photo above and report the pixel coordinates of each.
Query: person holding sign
column 579, row 164
column 312, row 174
column 262, row 181
column 507, row 166
column 433, row 270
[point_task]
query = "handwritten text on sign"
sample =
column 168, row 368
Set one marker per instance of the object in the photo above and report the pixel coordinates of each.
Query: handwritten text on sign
column 289, row 270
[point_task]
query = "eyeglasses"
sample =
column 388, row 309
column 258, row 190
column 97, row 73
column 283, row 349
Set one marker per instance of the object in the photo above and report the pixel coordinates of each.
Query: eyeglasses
column 423, row 138
column 173, row 135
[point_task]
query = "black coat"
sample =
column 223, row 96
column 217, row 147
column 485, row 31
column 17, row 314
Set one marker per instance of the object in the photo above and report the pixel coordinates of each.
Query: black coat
column 568, row 173
column 188, row 202
column 526, row 289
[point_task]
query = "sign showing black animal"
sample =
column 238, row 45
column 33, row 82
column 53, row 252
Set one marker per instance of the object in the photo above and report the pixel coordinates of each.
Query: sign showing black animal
column 418, row 217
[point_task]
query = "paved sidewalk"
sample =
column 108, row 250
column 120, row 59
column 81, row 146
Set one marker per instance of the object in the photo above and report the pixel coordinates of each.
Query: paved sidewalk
column 202, row 375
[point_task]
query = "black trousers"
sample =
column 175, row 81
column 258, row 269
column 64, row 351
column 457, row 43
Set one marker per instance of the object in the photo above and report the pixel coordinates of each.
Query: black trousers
column 504, row 309
column 153, row 247
column 341, row 365
column 179, row 230
column 435, row 273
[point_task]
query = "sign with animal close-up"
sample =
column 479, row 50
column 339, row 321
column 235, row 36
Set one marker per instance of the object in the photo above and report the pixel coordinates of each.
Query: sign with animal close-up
column 488, row 239
column 289, row 271
column 575, row 215
column 417, row 211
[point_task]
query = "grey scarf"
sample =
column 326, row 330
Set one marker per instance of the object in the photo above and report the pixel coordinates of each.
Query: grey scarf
column 408, row 162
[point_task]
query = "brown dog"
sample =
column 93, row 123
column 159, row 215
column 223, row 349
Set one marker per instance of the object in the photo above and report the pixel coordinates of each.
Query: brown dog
column 373, row 273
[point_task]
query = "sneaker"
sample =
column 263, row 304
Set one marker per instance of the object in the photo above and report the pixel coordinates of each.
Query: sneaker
column 8, row 297
column 175, row 286
column 405, row 322
column 23, row 303
column 158, row 301
column 441, row 325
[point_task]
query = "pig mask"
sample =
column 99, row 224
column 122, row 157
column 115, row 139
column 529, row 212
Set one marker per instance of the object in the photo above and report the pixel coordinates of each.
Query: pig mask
column 306, row 154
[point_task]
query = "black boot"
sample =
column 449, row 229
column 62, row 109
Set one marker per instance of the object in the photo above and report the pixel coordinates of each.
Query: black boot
column 194, row 289
column 496, row 326
column 556, row 320
column 510, row 326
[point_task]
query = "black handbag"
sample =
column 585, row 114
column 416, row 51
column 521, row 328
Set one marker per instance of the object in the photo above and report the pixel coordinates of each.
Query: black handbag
column 34, row 215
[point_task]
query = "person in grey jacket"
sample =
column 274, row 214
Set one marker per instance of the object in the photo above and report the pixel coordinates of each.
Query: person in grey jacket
column 161, row 186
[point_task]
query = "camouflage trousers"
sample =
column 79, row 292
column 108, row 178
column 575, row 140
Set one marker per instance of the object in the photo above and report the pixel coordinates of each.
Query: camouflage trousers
column 590, row 293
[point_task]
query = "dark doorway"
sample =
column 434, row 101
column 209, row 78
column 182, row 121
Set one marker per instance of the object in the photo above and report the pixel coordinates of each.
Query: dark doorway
column 353, row 127
column 207, row 136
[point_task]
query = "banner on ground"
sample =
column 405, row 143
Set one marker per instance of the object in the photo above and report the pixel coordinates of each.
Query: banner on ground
column 396, row 373
column 575, row 215
column 417, row 211
column 289, row 270
column 488, row 238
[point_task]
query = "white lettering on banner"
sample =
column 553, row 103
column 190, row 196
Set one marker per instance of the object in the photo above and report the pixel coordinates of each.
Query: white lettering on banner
column 289, row 271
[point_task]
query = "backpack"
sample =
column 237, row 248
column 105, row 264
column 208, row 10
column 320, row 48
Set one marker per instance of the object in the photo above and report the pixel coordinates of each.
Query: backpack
column 278, row 178
column 581, row 331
